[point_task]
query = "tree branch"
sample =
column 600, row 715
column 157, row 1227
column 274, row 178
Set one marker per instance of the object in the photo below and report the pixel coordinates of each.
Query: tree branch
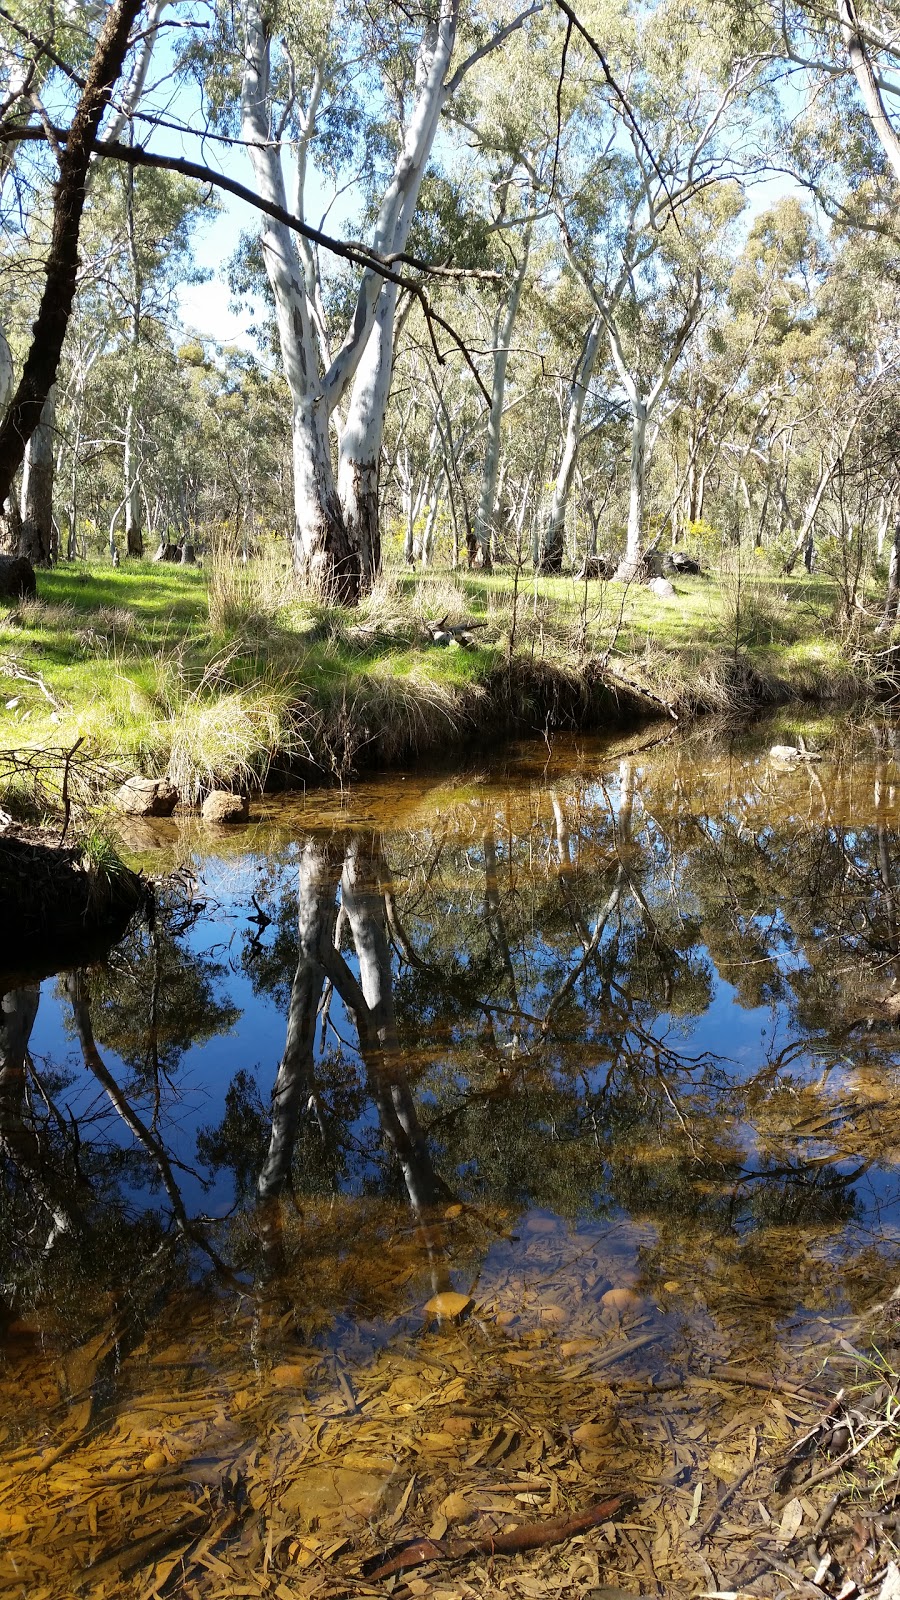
column 42, row 361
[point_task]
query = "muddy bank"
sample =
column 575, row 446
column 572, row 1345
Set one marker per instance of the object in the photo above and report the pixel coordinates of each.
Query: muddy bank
column 58, row 904
column 525, row 695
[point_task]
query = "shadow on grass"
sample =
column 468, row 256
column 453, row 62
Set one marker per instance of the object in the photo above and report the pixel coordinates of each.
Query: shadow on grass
column 152, row 592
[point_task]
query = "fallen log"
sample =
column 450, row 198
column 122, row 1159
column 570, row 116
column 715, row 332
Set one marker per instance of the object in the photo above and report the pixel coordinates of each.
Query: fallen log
column 510, row 1542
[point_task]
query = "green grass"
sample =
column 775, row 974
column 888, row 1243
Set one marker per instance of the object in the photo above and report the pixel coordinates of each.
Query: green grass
column 164, row 668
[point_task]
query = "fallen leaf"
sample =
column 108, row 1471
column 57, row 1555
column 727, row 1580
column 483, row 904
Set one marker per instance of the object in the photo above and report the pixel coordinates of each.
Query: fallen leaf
column 449, row 1304
column 591, row 1434
column 460, row 1427
column 553, row 1316
column 791, row 1522
column 695, row 1504
column 455, row 1507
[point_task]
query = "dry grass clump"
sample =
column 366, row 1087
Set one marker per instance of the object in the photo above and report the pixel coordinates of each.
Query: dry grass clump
column 231, row 740
column 220, row 730
column 751, row 608
column 381, row 717
column 116, row 622
column 43, row 616
column 439, row 597
column 241, row 592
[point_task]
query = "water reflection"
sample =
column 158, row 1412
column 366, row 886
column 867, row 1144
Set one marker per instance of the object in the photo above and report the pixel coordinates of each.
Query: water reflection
column 640, row 1008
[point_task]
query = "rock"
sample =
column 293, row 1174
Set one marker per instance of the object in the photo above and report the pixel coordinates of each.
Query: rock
column 677, row 561
column 17, row 579
column 650, row 566
column 662, row 587
column 620, row 1299
column 601, row 567
column 146, row 797
column 221, row 805
column 792, row 752
column 448, row 1304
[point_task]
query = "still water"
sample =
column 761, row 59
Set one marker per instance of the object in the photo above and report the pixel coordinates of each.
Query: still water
column 435, row 1132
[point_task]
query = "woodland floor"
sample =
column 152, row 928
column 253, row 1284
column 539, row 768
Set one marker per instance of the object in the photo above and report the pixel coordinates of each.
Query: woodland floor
column 215, row 675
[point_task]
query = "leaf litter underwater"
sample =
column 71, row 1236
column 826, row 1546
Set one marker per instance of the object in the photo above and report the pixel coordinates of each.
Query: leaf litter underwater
column 545, row 1260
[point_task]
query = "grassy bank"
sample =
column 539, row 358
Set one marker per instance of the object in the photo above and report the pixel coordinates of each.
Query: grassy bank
column 214, row 676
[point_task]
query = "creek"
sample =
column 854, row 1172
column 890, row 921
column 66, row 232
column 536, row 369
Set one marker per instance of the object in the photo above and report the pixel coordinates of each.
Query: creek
column 585, row 1132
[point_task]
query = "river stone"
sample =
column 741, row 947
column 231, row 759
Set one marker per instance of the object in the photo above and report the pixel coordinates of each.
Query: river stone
column 146, row 797
column 790, row 752
column 221, row 805
column 662, row 587
column 17, row 579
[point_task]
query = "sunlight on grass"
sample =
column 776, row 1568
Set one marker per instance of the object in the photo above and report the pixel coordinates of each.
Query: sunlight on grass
column 210, row 675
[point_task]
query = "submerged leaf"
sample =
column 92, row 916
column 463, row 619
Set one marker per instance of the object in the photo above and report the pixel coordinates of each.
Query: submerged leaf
column 449, row 1304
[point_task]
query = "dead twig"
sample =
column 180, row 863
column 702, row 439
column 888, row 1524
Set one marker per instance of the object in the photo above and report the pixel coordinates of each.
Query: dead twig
column 529, row 1536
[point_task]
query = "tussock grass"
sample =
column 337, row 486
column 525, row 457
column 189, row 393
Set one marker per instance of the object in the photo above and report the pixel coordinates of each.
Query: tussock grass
column 214, row 676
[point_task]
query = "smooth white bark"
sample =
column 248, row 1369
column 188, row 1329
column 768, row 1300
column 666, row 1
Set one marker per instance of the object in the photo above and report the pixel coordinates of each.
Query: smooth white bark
column 553, row 544
column 867, row 83
column 36, row 506
column 363, row 432
column 6, row 373
column 321, row 550
column 131, row 465
column 504, row 321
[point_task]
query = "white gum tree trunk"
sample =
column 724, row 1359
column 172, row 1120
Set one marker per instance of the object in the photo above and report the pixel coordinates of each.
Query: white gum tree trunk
column 554, row 542
column 643, row 403
column 359, row 457
column 363, row 433
column 131, row 464
column 643, row 397
column 322, row 552
column 637, row 482
column 36, row 506
column 867, row 82
column 9, row 512
column 504, row 323
column 336, row 545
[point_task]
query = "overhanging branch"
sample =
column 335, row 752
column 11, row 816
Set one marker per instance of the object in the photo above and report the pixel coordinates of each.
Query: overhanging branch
column 350, row 250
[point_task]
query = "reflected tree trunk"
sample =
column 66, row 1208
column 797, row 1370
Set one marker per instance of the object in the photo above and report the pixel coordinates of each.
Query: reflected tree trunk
column 18, row 1139
column 294, row 1083
column 494, row 914
column 892, row 595
column 363, row 903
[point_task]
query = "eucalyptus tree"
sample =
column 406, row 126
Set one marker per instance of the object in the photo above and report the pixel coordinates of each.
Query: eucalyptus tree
column 297, row 76
column 748, row 380
column 152, row 215
column 843, row 64
column 42, row 53
column 644, row 208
